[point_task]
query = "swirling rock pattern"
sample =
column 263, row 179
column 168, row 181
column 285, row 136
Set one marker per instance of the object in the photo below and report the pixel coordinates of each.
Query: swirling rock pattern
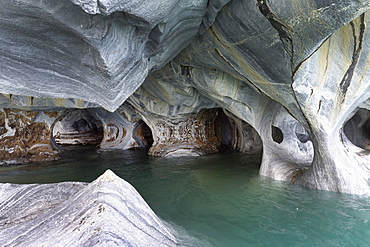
column 26, row 136
column 99, row 52
column 106, row 212
column 76, row 127
column 119, row 132
column 185, row 135
column 297, row 72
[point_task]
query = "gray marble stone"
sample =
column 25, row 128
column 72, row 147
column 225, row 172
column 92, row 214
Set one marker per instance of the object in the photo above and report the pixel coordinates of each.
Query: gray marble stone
column 94, row 51
column 106, row 212
column 295, row 71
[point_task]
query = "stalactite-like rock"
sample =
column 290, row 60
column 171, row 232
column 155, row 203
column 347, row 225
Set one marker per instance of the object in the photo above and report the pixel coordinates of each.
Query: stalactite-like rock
column 106, row 212
column 25, row 136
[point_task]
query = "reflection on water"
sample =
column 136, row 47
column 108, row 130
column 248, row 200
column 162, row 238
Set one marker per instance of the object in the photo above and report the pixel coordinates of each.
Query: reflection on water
column 219, row 199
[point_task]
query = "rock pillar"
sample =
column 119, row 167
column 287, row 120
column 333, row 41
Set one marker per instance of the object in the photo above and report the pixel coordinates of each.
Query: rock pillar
column 338, row 165
column 331, row 86
column 118, row 131
column 287, row 147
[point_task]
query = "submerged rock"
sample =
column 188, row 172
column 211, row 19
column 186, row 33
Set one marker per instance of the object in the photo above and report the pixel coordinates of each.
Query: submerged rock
column 106, row 212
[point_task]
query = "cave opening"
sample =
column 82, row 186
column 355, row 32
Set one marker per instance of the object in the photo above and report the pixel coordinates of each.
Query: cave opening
column 357, row 129
column 76, row 127
column 301, row 133
column 238, row 135
column 276, row 134
column 223, row 130
column 143, row 134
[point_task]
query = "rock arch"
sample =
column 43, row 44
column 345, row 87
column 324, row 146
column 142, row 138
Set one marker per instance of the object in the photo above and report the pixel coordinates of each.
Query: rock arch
column 78, row 127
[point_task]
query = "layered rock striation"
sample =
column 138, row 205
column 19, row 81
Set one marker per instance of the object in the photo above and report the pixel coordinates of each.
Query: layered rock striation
column 290, row 78
column 95, row 51
column 106, row 212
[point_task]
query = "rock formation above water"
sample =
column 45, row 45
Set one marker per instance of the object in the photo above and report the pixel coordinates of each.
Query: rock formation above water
column 106, row 212
column 286, row 77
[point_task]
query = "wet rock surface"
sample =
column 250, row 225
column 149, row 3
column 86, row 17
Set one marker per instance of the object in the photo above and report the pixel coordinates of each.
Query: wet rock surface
column 297, row 73
column 25, row 136
column 106, row 212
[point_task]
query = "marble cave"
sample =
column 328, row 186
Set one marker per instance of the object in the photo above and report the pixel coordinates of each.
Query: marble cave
column 288, row 79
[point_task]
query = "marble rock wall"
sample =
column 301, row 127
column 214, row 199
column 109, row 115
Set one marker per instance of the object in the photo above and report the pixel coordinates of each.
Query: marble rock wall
column 105, row 212
column 331, row 86
column 118, row 131
column 185, row 135
column 97, row 127
column 77, row 127
column 95, row 51
column 292, row 76
column 25, row 136
column 297, row 98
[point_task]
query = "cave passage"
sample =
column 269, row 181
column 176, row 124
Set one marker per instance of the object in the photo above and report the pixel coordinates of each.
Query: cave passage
column 143, row 134
column 78, row 127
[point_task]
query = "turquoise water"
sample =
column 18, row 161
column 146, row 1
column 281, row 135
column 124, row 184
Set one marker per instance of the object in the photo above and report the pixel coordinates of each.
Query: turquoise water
column 219, row 199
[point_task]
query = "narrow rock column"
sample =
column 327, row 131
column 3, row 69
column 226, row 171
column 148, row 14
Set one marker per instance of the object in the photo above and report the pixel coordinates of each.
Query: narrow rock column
column 338, row 165
column 26, row 136
column 287, row 148
column 331, row 86
column 192, row 134
column 119, row 132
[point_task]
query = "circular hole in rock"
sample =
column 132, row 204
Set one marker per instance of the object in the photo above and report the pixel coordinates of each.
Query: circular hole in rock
column 277, row 134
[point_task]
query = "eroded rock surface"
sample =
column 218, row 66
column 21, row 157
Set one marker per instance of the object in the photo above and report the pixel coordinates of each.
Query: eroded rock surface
column 329, row 95
column 26, row 136
column 119, row 132
column 106, row 212
column 77, row 126
column 296, row 72
column 184, row 135
column 95, row 51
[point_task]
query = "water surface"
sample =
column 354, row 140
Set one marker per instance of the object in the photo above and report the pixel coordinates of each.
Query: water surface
column 219, row 199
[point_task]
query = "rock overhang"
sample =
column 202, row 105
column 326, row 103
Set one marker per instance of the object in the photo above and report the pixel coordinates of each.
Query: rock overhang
column 251, row 58
column 99, row 52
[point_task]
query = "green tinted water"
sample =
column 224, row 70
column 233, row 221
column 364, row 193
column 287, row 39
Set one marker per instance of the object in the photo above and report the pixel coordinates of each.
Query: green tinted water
column 219, row 199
